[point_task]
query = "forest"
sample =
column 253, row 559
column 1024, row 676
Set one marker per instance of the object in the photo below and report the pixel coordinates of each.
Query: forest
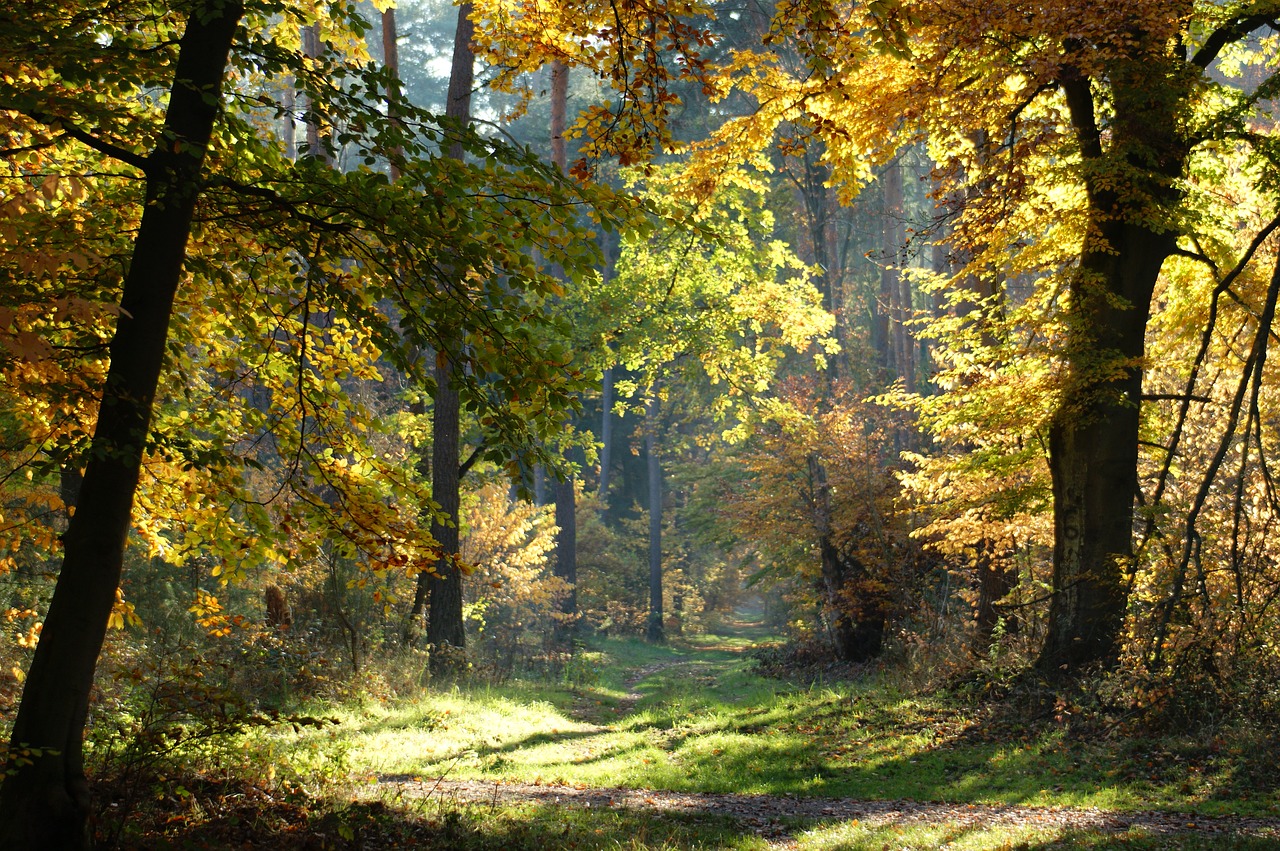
column 643, row 424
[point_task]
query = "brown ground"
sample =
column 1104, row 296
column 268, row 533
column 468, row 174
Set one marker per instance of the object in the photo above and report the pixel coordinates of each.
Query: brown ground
column 764, row 814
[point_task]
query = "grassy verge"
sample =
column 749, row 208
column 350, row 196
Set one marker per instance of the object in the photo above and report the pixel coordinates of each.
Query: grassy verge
column 694, row 717
column 700, row 720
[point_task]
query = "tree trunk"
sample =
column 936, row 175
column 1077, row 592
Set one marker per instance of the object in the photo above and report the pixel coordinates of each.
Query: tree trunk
column 391, row 58
column 853, row 638
column 444, row 611
column 313, row 48
column 995, row 581
column 1093, row 456
column 1093, row 438
column 606, row 436
column 566, row 565
column 894, row 286
column 565, row 495
column 45, row 804
column 656, row 630
column 883, row 340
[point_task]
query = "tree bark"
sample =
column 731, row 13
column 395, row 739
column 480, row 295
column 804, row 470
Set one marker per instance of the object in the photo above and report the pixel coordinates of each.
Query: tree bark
column 565, row 494
column 894, row 287
column 1093, row 438
column 444, row 611
column 45, row 804
column 855, row 625
column 883, row 340
column 313, row 48
column 606, row 436
column 391, row 58
column 1093, row 454
column 656, row 630
column 566, row 565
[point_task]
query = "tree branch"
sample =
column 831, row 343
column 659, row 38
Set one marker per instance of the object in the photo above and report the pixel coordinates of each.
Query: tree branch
column 278, row 201
column 1233, row 31
column 110, row 149
column 1172, row 397
column 466, row 465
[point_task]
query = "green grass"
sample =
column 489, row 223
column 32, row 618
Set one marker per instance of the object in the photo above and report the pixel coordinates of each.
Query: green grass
column 693, row 717
column 956, row 837
column 706, row 723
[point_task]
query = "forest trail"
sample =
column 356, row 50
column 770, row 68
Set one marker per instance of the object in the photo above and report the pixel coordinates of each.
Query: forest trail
column 776, row 818
column 772, row 817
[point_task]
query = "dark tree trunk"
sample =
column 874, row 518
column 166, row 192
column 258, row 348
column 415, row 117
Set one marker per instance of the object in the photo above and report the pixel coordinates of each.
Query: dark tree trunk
column 855, row 619
column 444, row 610
column 656, row 629
column 45, row 804
column 995, row 581
column 1093, row 438
column 566, row 564
column 1093, row 456
column 606, row 436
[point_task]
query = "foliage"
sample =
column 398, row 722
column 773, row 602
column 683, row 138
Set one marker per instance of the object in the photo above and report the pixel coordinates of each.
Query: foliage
column 512, row 598
column 640, row 50
column 774, row 495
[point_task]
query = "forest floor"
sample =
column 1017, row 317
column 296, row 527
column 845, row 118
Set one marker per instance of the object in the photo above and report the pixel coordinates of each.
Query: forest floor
column 687, row 746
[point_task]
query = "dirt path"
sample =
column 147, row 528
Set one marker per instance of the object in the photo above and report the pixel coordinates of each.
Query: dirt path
column 764, row 814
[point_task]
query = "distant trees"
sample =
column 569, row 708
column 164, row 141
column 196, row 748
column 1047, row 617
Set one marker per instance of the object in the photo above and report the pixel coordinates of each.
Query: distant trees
column 1084, row 206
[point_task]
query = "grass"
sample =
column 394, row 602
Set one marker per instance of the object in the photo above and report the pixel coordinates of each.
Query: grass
column 694, row 717
column 955, row 837
column 701, row 721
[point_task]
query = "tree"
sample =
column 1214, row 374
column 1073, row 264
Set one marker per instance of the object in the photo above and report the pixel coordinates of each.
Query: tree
column 710, row 301
column 308, row 265
column 1116, row 97
column 445, row 631
column 44, row 800
column 656, row 632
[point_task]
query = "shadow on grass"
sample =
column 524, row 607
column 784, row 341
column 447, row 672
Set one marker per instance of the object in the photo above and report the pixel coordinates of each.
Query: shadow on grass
column 205, row 814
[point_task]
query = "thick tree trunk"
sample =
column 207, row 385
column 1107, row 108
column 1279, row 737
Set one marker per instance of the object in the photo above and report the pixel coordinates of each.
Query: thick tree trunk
column 1093, row 438
column 444, row 610
column 1093, row 453
column 44, row 804
column 656, row 629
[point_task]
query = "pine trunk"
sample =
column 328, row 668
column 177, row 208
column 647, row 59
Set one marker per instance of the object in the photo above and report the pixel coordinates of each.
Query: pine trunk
column 565, row 495
column 445, row 630
column 566, row 565
column 44, row 803
column 606, row 436
column 656, row 630
column 444, row 609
